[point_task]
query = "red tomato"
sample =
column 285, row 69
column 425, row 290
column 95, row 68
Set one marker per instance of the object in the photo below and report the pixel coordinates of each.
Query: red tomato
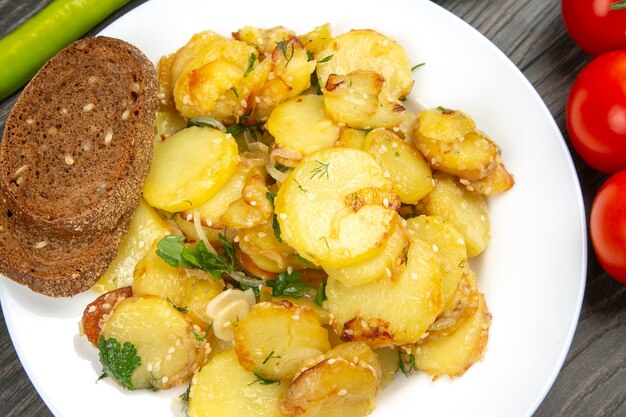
column 608, row 226
column 594, row 26
column 596, row 112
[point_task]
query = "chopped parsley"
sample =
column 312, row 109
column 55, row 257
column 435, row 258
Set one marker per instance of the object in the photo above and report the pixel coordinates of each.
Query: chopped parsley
column 118, row 361
column 326, row 59
column 272, row 355
column 172, row 250
column 284, row 46
column 288, row 285
column 418, row 66
column 183, row 310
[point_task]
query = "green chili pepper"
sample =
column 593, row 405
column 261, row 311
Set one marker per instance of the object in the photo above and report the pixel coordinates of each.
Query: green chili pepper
column 25, row 50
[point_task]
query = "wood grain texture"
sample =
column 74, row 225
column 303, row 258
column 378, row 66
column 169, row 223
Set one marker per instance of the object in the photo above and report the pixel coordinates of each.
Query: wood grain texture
column 592, row 382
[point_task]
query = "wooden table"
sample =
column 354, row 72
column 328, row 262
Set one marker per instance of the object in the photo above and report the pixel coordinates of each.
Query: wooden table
column 592, row 381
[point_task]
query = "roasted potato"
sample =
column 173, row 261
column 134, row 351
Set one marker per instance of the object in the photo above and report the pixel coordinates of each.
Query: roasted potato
column 275, row 339
column 146, row 227
column 392, row 311
column 99, row 308
column 449, row 245
column 189, row 168
column 169, row 352
column 454, row 354
column 380, row 266
column 301, row 124
column 343, row 383
column 223, row 388
column 336, row 208
column 405, row 167
column 463, row 209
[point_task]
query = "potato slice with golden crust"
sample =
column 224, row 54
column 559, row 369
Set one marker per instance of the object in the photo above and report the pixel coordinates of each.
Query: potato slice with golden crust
column 146, row 227
column 405, row 167
column 336, row 208
column 260, row 245
column 381, row 266
column 449, row 245
column 357, row 100
column 301, row 124
column 445, row 125
column 189, row 168
column 210, row 76
column 275, row 339
column 367, row 50
column 335, row 386
column 499, row 181
column 222, row 388
column 317, row 39
column 187, row 289
column 472, row 157
column 264, row 40
column 162, row 337
column 97, row 309
column 254, row 207
column 463, row 305
column 391, row 311
column 454, row 354
column 291, row 63
column 465, row 210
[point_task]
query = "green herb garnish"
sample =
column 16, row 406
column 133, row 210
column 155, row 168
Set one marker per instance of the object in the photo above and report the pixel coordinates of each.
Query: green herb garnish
column 172, row 250
column 275, row 225
column 288, row 285
column 321, row 170
column 417, row 66
column 320, row 295
column 272, row 355
column 183, row 310
column 201, row 338
column 326, row 59
column 251, row 61
column 406, row 365
column 283, row 46
column 263, row 381
column 118, row 361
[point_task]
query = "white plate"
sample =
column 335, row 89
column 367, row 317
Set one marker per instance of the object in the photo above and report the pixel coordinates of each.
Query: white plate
column 532, row 273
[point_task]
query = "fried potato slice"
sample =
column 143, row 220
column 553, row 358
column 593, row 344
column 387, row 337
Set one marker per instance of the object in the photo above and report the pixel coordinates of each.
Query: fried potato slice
column 189, row 168
column 343, row 383
column 275, row 339
column 97, row 309
column 453, row 355
column 367, row 50
column 223, row 388
column 146, row 227
column 301, row 124
column 162, row 336
column 381, row 266
column 405, row 167
column 465, row 210
column 336, row 208
column 449, row 245
column 391, row 311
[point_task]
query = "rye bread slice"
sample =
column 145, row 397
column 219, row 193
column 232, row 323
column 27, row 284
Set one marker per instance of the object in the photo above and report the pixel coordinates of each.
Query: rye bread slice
column 52, row 266
column 78, row 142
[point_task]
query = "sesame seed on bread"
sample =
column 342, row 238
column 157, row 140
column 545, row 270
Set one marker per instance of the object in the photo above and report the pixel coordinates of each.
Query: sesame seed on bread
column 52, row 266
column 76, row 149
column 78, row 142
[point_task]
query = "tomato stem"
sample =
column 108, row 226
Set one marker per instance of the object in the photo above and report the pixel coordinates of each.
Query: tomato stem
column 618, row 5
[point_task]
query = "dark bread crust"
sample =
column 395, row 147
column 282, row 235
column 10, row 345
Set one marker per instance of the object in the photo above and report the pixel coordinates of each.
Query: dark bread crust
column 51, row 266
column 78, row 143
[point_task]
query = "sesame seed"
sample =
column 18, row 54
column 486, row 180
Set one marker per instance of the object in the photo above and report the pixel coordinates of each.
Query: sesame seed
column 289, row 269
column 331, row 361
column 126, row 114
column 388, row 272
column 108, row 137
column 149, row 367
column 252, row 203
column 69, row 160
column 460, row 241
column 342, row 392
column 106, row 306
column 91, row 309
column 88, row 107
column 236, row 239
column 40, row 245
column 295, row 317
column 435, row 248
column 282, row 216
column 164, row 379
column 168, row 357
column 262, row 234
column 386, row 202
